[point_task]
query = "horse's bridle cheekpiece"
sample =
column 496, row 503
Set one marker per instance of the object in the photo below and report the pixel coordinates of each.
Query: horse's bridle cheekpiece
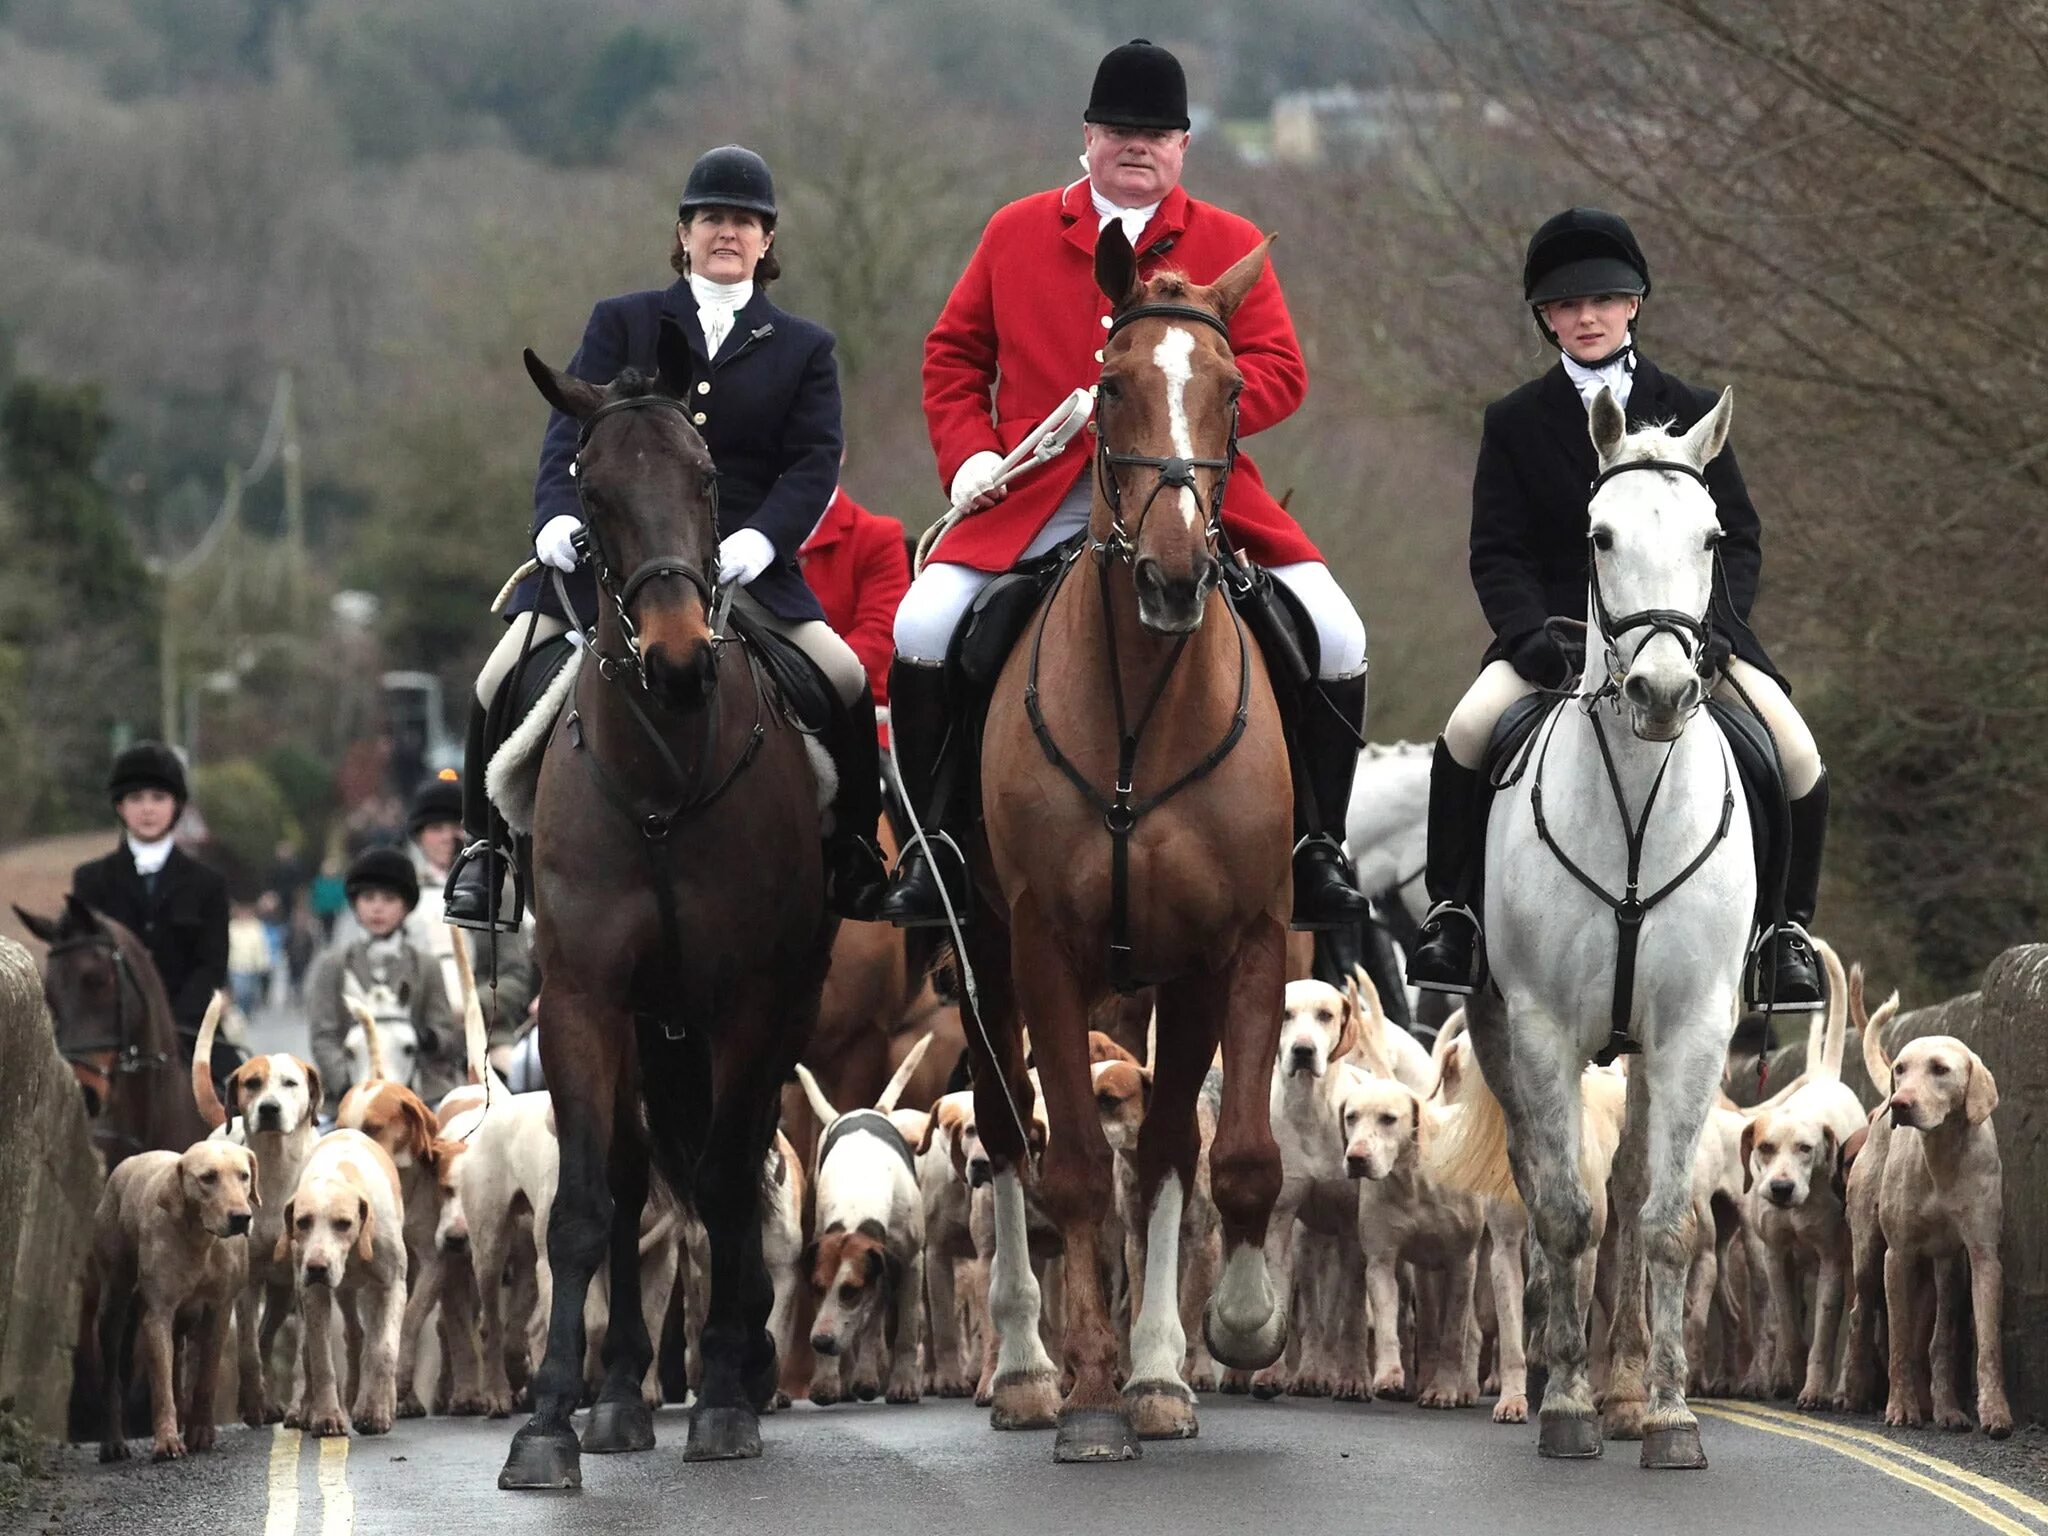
column 1174, row 471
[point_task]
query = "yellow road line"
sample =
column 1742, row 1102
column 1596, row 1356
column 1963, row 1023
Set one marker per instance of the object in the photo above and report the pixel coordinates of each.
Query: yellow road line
column 1974, row 1507
column 2032, row 1508
column 337, row 1504
column 281, row 1515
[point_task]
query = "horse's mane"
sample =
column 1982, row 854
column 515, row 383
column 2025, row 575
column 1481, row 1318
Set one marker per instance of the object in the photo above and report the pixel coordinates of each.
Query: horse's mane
column 632, row 384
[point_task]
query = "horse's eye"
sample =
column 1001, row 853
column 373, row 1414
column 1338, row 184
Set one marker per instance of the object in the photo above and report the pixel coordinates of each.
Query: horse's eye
column 1603, row 538
column 1107, row 390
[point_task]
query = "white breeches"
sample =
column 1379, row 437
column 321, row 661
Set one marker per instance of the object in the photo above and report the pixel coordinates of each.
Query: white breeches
column 815, row 638
column 932, row 608
column 1471, row 724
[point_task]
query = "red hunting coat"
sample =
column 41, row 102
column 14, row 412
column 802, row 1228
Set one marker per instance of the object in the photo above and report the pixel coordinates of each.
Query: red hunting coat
column 855, row 564
column 1026, row 321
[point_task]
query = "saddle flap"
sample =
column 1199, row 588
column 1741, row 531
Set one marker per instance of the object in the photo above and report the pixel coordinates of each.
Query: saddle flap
column 1512, row 734
column 988, row 631
column 1763, row 785
column 805, row 691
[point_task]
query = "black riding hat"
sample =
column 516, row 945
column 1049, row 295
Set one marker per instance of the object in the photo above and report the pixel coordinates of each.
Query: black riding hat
column 383, row 868
column 148, row 765
column 1580, row 252
column 729, row 177
column 1139, row 85
column 437, row 799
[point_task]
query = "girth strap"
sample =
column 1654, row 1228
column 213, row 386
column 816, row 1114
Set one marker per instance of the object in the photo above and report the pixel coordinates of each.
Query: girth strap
column 1629, row 908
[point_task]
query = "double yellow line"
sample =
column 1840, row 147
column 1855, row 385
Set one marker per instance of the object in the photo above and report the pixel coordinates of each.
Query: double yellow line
column 1952, row 1484
column 337, row 1502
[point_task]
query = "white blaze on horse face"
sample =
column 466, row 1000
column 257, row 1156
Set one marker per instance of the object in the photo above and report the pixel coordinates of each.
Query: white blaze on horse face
column 1173, row 357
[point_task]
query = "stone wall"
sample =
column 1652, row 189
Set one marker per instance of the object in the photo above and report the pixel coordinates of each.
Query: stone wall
column 50, row 1178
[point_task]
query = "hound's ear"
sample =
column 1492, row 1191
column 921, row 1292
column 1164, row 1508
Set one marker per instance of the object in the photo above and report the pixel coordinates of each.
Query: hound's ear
column 564, row 391
column 807, row 1261
column 1145, row 1086
column 1607, row 425
column 931, row 1129
column 1748, row 1146
column 45, row 928
column 1348, row 1028
column 283, row 1250
column 1116, row 269
column 423, row 1126
column 1710, row 436
column 1837, row 1174
column 255, row 1182
column 1982, row 1096
column 366, row 1248
column 1230, row 289
column 1417, row 1126
column 316, row 1094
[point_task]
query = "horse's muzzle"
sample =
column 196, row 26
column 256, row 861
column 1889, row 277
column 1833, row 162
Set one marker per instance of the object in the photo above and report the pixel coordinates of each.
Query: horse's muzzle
column 1173, row 604
column 685, row 681
column 1658, row 710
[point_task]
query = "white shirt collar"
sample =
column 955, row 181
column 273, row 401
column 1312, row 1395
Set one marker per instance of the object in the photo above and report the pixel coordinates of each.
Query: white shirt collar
column 1618, row 375
column 1134, row 219
column 150, row 857
column 717, row 303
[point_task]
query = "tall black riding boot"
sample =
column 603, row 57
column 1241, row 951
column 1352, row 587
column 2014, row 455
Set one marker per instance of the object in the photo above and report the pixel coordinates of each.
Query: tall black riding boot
column 1447, row 958
column 1328, row 735
column 931, row 758
column 1786, row 963
column 476, row 880
column 855, row 876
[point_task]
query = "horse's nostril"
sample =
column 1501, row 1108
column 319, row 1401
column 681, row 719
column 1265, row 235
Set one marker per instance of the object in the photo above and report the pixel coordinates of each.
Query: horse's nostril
column 1637, row 692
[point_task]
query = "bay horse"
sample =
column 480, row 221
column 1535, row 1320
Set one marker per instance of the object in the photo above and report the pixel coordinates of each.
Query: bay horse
column 115, row 1030
column 1619, row 894
column 1138, row 822
column 681, row 933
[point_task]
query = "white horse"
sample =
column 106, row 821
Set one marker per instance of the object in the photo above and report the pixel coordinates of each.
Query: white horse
column 1386, row 828
column 1563, row 884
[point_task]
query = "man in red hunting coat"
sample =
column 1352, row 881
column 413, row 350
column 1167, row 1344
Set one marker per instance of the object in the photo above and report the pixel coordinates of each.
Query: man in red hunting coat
column 1025, row 327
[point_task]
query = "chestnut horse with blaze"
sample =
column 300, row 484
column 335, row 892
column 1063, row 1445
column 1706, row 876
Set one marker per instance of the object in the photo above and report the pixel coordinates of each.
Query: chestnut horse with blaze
column 1138, row 812
column 681, row 932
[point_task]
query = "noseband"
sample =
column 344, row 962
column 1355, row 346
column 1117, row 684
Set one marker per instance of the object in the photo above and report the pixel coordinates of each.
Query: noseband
column 620, row 593
column 1688, row 630
column 1174, row 471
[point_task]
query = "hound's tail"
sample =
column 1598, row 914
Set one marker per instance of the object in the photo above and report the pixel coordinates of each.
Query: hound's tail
column 1875, row 1062
column 1364, row 998
column 901, row 1079
column 373, row 1043
column 1830, row 1065
column 820, row 1105
column 1469, row 1151
column 211, row 1110
column 476, row 1042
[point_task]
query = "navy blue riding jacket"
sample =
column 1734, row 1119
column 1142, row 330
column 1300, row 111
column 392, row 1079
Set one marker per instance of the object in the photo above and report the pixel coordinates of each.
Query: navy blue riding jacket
column 767, row 407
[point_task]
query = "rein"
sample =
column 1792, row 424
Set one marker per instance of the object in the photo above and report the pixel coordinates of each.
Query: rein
column 1122, row 810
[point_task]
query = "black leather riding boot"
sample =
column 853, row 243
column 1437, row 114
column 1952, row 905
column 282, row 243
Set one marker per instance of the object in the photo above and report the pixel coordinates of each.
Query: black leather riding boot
column 930, row 757
column 1447, row 958
column 1332, row 720
column 855, row 876
column 1793, row 968
column 477, row 877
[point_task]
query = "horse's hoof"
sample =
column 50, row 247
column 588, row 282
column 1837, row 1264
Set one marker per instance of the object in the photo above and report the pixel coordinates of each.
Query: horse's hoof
column 1094, row 1434
column 1249, row 1351
column 1673, row 1447
column 619, row 1425
column 1160, row 1410
column 1621, row 1418
column 542, row 1458
column 1563, row 1437
column 1024, row 1400
column 723, row 1434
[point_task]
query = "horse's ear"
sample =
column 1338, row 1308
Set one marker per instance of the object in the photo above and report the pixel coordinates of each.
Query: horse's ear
column 1710, row 434
column 1607, row 425
column 677, row 365
column 564, row 391
column 1230, row 289
column 44, row 928
column 1116, row 269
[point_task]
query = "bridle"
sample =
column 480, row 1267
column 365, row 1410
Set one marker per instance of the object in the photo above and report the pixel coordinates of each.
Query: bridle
column 1174, row 471
column 1689, row 630
column 622, row 594
column 87, row 1059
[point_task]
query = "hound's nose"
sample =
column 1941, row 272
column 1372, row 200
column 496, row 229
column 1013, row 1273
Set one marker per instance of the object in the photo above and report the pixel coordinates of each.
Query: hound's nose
column 455, row 1242
column 1301, row 1058
column 1781, row 1191
column 825, row 1343
column 1357, row 1168
column 269, row 1116
column 238, row 1223
column 316, row 1274
column 979, row 1172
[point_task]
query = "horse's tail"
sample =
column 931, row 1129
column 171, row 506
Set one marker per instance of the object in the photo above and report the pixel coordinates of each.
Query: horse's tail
column 373, row 1043
column 1469, row 1151
column 1837, row 1015
column 820, row 1105
column 1875, row 1062
column 211, row 1110
column 476, row 1042
column 901, row 1080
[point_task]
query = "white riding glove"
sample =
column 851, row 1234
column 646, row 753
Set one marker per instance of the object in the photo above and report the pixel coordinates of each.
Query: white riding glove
column 743, row 555
column 553, row 544
column 972, row 480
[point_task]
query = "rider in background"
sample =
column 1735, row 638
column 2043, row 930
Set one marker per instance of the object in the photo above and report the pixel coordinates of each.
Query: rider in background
column 1585, row 280
column 177, row 906
column 390, row 975
column 1023, row 328
column 503, row 965
column 766, row 403
column 856, row 563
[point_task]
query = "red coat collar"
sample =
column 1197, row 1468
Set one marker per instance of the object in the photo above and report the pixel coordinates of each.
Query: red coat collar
column 1077, row 212
column 835, row 525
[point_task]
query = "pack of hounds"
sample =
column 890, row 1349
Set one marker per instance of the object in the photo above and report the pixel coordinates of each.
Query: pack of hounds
column 301, row 1269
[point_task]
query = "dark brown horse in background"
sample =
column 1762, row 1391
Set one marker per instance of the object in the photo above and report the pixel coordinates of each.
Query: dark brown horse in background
column 681, row 931
column 115, row 1030
column 1137, row 710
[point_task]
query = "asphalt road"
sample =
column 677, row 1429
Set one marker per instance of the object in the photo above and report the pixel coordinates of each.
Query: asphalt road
column 937, row 1467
